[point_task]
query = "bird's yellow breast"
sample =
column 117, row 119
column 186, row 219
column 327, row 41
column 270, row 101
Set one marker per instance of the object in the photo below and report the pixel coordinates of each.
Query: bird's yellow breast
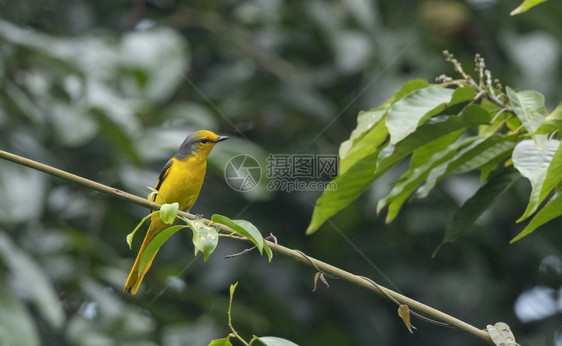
column 183, row 181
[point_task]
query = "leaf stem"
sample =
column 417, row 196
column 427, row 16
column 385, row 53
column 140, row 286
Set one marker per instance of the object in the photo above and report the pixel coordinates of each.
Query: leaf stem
column 234, row 332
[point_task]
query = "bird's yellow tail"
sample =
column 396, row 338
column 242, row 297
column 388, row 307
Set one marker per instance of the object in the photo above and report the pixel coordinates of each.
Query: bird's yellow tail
column 134, row 280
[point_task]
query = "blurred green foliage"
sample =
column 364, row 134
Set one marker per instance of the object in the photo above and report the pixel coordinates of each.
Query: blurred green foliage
column 109, row 89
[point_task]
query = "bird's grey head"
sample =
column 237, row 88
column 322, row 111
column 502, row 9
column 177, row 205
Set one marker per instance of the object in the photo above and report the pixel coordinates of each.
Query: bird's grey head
column 200, row 141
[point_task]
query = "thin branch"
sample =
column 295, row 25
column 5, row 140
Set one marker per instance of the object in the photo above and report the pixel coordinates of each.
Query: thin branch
column 491, row 97
column 295, row 254
column 143, row 202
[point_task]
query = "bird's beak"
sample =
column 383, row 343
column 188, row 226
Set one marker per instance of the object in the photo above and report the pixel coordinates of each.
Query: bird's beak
column 221, row 138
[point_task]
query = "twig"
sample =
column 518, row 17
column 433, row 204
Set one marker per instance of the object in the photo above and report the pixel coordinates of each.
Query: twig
column 478, row 86
column 245, row 251
column 295, row 254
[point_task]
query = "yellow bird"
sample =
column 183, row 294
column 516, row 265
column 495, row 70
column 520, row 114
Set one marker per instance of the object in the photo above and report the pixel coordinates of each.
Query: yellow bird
column 180, row 181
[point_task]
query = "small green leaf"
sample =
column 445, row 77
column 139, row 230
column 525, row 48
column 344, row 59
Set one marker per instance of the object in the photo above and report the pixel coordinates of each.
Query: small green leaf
column 462, row 94
column 232, row 289
column 268, row 251
column 488, row 168
column 407, row 88
column 407, row 114
column 437, row 173
column 495, row 126
column 169, row 212
column 553, row 121
column 231, row 298
column 493, row 149
column 533, row 164
column 425, row 152
column 364, row 146
column 221, row 342
column 155, row 245
column 151, row 196
column 243, row 227
column 525, row 6
column 553, row 174
column 365, row 122
column 529, row 108
column 513, row 123
column 349, row 187
column 275, row 341
column 253, row 233
column 466, row 216
column 551, row 210
column 132, row 234
column 205, row 238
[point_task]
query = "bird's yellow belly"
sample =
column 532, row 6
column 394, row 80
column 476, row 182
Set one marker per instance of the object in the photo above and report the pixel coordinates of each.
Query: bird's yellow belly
column 183, row 182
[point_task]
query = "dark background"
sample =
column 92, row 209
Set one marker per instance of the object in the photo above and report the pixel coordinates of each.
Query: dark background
column 109, row 89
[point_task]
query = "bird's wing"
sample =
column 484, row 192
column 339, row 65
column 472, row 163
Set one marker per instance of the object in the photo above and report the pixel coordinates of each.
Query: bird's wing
column 162, row 176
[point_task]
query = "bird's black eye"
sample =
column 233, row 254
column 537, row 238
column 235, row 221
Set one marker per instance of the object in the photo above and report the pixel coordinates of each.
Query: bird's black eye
column 204, row 141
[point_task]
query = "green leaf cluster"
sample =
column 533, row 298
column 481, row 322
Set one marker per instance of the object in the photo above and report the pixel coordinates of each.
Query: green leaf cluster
column 445, row 130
